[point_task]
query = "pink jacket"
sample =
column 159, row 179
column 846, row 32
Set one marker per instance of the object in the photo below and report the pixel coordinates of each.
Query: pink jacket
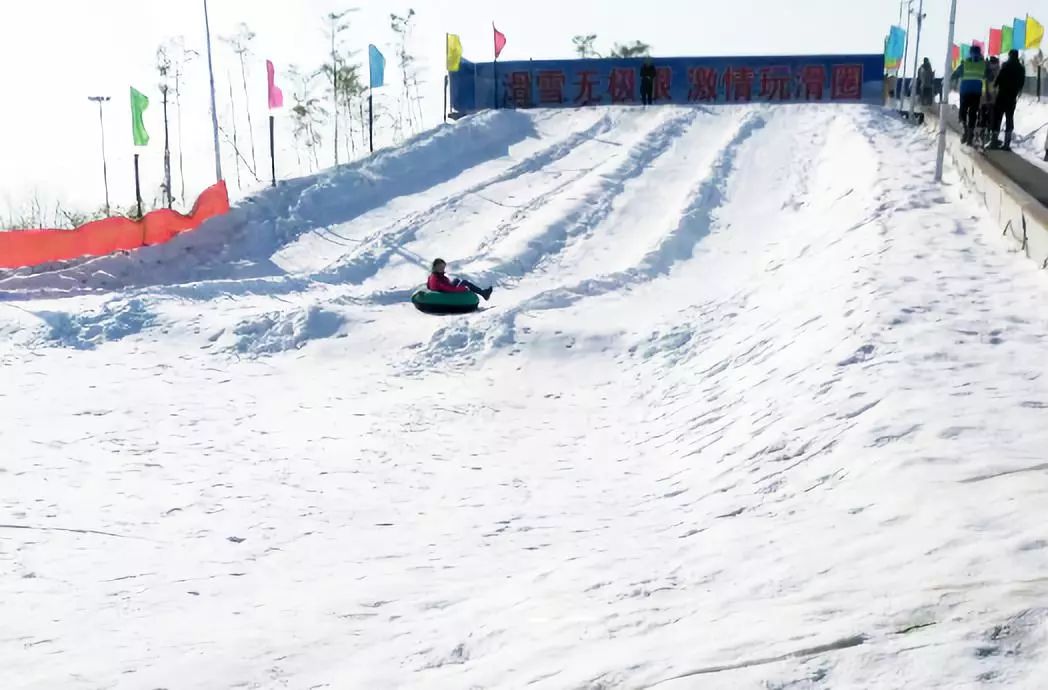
column 438, row 282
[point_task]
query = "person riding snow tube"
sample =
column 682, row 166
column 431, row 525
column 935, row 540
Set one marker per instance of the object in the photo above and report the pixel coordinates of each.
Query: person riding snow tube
column 445, row 296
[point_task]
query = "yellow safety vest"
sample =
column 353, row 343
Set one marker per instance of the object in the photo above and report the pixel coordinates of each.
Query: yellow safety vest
column 974, row 70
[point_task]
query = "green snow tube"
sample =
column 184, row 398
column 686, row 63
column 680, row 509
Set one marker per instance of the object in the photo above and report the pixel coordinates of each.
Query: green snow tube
column 432, row 302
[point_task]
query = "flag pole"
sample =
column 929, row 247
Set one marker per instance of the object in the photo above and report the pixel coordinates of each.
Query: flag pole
column 916, row 57
column 945, row 99
column 905, row 54
column 371, row 119
column 138, row 189
column 214, row 108
column 272, row 150
column 446, row 85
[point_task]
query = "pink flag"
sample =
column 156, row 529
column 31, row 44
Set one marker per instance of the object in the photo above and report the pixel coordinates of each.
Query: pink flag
column 276, row 96
column 500, row 41
column 982, row 46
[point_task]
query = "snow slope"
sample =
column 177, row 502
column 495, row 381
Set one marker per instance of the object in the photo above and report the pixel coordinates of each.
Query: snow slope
column 749, row 409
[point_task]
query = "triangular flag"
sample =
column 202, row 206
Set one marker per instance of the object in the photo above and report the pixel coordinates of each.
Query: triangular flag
column 377, row 63
column 454, row 52
column 1034, row 32
column 139, row 102
column 995, row 41
column 276, row 96
column 500, row 41
column 1006, row 40
column 1019, row 34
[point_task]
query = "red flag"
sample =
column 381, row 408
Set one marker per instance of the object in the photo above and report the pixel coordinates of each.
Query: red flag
column 500, row 41
column 276, row 96
column 995, row 41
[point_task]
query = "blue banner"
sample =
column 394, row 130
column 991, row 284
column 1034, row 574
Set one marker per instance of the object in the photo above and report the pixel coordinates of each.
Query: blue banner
column 576, row 83
column 377, row 63
column 1019, row 35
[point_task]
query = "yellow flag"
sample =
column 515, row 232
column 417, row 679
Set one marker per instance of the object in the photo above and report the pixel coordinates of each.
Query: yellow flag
column 1034, row 32
column 454, row 53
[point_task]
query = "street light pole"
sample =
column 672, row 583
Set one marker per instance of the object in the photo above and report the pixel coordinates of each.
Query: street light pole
column 905, row 52
column 916, row 57
column 101, row 123
column 944, row 101
column 214, row 107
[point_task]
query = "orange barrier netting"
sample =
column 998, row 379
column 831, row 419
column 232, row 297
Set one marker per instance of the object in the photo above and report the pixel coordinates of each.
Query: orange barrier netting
column 32, row 247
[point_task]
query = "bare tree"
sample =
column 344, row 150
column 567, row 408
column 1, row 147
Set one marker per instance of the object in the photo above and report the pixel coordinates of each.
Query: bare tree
column 240, row 44
column 180, row 56
column 629, row 50
column 233, row 115
column 402, row 26
column 584, row 46
column 164, row 67
column 337, row 25
column 307, row 115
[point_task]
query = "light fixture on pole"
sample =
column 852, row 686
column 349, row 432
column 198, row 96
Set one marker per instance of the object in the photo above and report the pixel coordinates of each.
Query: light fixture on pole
column 101, row 123
column 945, row 98
column 214, row 107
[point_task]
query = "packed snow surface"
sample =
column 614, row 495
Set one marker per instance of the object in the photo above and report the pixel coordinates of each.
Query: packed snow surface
column 755, row 405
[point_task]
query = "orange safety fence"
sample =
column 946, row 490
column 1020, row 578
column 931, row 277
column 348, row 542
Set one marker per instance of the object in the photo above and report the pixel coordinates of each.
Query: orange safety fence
column 31, row 247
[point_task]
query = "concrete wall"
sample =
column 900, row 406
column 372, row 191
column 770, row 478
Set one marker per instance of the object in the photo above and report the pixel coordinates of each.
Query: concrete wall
column 1019, row 216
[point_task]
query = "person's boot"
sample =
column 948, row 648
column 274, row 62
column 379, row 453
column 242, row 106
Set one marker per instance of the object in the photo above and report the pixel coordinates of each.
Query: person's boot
column 966, row 138
column 486, row 294
column 1007, row 142
column 995, row 143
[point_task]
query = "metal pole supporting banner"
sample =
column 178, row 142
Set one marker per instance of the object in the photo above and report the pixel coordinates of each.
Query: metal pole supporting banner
column 371, row 120
column 916, row 57
column 446, row 86
column 272, row 151
column 905, row 55
column 944, row 102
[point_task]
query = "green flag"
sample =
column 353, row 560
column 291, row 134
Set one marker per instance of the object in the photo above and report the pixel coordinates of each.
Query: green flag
column 139, row 102
column 1006, row 39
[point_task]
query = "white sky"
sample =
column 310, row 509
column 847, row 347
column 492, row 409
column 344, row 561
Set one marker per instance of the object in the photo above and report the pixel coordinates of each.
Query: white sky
column 54, row 53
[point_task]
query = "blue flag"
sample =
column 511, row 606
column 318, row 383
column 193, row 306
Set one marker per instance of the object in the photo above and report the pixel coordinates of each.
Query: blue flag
column 894, row 49
column 378, row 66
column 1019, row 34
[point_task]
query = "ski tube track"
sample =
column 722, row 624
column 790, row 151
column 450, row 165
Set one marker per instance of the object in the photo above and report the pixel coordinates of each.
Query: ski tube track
column 376, row 251
column 595, row 207
column 466, row 340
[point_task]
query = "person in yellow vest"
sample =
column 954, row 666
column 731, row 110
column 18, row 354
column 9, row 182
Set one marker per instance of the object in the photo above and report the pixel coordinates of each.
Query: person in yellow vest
column 973, row 73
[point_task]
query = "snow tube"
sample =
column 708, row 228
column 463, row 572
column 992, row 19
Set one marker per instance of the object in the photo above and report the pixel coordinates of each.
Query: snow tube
column 432, row 302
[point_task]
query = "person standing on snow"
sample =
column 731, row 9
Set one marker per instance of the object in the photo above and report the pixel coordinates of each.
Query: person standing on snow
column 1009, row 84
column 438, row 282
column 972, row 73
column 926, row 82
column 647, row 82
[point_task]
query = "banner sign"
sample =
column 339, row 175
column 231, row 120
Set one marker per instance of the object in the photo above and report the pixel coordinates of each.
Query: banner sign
column 576, row 83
